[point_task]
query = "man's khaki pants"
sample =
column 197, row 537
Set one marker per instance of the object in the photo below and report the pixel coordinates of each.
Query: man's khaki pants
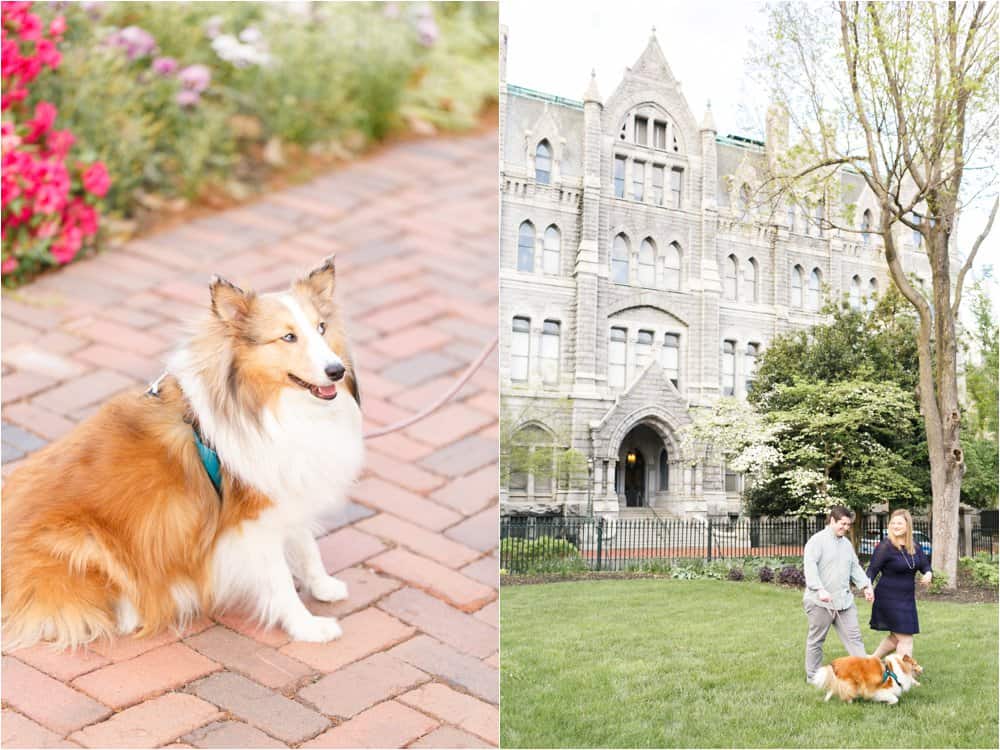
column 844, row 621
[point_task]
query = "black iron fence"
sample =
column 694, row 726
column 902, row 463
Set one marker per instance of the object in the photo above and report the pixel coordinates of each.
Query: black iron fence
column 539, row 543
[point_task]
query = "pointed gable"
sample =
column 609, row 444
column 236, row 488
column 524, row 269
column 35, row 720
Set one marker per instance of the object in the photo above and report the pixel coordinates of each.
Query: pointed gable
column 652, row 63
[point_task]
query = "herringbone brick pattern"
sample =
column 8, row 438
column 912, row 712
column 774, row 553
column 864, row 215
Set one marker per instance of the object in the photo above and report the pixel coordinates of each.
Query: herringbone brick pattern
column 414, row 228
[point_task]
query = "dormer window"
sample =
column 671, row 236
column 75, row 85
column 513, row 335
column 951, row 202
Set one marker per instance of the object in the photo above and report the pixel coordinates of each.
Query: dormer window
column 641, row 126
column 660, row 135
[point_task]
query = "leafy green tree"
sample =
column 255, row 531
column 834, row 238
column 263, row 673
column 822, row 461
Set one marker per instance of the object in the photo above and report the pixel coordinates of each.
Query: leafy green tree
column 854, row 344
column 841, row 442
column 979, row 486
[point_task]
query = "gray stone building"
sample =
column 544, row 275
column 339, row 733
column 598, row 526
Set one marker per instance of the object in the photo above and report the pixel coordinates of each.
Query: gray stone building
column 640, row 281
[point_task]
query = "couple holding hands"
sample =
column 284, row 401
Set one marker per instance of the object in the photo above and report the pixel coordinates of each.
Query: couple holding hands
column 831, row 565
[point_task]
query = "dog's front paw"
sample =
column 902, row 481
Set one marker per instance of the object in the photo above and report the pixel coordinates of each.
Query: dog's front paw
column 328, row 589
column 315, row 629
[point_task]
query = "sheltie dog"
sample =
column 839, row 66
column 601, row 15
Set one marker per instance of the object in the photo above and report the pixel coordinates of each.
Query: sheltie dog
column 851, row 677
column 121, row 526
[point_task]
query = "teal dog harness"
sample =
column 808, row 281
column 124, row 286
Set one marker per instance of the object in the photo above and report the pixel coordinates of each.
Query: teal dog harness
column 209, row 457
column 210, row 461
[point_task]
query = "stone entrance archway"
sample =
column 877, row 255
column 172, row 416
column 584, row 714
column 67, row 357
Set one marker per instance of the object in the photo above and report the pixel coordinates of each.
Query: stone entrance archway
column 638, row 459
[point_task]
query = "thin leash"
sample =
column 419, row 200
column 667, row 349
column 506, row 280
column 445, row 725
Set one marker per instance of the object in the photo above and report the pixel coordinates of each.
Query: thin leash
column 442, row 400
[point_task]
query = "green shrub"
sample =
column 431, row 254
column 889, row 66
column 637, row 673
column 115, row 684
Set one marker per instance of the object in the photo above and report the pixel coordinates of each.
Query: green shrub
column 984, row 571
column 542, row 555
column 336, row 73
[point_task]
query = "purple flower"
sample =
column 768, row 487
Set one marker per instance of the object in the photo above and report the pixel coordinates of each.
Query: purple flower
column 195, row 78
column 165, row 66
column 188, row 98
column 427, row 30
column 135, row 41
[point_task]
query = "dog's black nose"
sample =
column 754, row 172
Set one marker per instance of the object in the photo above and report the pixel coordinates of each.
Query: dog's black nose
column 334, row 372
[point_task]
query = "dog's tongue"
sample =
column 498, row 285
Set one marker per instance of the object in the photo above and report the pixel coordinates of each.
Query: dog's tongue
column 324, row 391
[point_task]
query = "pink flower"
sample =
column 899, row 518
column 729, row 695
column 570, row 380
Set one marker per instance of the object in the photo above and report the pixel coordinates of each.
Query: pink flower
column 9, row 266
column 48, row 54
column 66, row 247
column 58, row 26
column 195, row 78
column 165, row 66
column 84, row 216
column 60, row 142
column 96, row 180
column 31, row 27
column 47, row 229
column 135, row 41
column 45, row 115
column 188, row 98
column 49, row 199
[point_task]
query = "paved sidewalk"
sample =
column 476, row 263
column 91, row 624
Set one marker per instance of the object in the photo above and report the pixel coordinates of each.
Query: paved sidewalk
column 415, row 232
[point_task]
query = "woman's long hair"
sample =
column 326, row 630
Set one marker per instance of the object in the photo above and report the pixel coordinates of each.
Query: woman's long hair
column 908, row 536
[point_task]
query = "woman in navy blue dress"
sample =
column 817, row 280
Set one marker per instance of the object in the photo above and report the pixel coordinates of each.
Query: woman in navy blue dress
column 898, row 559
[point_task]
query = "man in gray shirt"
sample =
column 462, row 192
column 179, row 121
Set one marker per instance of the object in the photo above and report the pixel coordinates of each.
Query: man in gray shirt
column 830, row 566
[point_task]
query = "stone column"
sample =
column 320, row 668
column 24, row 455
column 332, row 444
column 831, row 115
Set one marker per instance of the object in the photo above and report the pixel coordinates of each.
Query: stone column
column 587, row 265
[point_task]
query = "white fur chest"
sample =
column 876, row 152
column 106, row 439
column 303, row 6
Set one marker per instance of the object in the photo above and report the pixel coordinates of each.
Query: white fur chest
column 308, row 456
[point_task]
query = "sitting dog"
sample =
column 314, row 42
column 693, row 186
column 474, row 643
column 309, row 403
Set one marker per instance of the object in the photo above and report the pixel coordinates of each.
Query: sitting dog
column 200, row 494
column 851, row 677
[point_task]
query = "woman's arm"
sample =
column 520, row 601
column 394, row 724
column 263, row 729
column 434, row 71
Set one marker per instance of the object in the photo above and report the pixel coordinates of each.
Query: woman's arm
column 877, row 562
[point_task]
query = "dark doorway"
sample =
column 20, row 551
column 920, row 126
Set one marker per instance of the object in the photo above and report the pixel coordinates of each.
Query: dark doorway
column 635, row 480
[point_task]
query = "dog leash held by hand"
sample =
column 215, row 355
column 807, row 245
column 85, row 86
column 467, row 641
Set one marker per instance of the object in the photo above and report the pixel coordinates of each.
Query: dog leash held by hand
column 475, row 365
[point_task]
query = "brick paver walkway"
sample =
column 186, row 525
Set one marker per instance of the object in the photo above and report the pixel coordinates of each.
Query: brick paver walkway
column 414, row 229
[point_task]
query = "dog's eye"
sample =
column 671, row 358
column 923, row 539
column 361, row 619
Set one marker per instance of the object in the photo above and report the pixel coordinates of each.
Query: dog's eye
column 291, row 338
column 321, row 328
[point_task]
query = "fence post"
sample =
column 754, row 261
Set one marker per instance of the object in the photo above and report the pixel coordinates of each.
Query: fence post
column 600, row 540
column 709, row 546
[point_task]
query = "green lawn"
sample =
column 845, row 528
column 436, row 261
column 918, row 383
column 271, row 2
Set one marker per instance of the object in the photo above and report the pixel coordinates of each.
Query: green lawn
column 666, row 663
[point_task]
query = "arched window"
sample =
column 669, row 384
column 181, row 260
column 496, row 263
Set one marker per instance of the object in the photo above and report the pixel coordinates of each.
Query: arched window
column 732, row 272
column 543, row 163
column 749, row 293
column 647, row 263
column 550, row 250
column 520, row 348
column 855, row 293
column 790, row 217
column 795, row 297
column 672, row 266
column 815, row 287
column 872, row 294
column 532, row 462
column 619, row 260
column 866, row 226
column 526, row 247
column 664, row 471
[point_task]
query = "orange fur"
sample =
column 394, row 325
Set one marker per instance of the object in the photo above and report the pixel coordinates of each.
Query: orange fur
column 851, row 677
column 122, row 506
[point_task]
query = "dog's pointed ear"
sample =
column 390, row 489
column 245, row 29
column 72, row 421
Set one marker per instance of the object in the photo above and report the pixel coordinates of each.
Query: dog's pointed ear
column 229, row 302
column 321, row 281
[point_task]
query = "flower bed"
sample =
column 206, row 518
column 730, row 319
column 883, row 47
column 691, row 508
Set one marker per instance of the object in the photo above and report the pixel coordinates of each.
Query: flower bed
column 188, row 103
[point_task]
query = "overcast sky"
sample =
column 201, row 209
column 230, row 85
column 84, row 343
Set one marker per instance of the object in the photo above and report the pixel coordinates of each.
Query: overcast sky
column 553, row 46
